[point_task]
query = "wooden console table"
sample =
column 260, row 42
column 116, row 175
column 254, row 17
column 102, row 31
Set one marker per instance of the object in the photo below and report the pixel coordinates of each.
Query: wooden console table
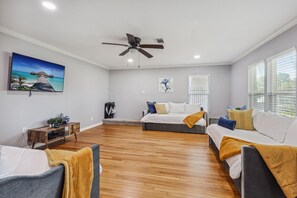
column 48, row 134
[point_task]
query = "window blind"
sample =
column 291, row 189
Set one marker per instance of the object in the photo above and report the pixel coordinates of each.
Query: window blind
column 256, row 86
column 281, row 83
column 199, row 90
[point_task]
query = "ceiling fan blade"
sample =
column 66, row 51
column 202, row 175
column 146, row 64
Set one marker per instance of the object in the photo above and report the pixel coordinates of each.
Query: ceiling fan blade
column 153, row 46
column 124, row 52
column 131, row 39
column 115, row 44
column 145, row 53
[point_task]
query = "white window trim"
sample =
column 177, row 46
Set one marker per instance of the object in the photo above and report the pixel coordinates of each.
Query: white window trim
column 209, row 92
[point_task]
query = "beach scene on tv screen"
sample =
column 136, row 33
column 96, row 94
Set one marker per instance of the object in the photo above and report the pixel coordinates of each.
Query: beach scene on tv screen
column 30, row 74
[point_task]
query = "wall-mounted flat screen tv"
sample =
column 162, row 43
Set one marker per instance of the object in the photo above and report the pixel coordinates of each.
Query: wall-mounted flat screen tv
column 31, row 74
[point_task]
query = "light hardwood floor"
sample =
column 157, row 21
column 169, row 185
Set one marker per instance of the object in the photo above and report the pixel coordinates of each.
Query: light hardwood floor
column 155, row 164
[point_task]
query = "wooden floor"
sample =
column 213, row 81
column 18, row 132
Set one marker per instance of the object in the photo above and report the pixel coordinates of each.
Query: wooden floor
column 154, row 164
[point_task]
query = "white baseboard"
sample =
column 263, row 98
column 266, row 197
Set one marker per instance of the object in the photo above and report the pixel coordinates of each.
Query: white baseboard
column 91, row 126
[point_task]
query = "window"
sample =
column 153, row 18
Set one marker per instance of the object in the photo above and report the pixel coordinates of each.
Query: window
column 199, row 90
column 256, row 87
column 272, row 84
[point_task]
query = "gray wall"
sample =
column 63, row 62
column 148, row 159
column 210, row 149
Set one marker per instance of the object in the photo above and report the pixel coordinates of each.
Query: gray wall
column 126, row 88
column 85, row 92
column 239, row 70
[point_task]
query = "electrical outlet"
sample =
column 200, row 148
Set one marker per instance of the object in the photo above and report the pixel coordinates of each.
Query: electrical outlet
column 24, row 129
column 92, row 118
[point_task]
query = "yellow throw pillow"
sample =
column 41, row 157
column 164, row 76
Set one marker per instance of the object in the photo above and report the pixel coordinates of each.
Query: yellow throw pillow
column 161, row 109
column 243, row 118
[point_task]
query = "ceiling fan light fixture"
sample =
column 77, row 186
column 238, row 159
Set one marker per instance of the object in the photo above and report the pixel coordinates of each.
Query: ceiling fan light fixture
column 49, row 5
column 133, row 50
column 130, row 60
column 196, row 56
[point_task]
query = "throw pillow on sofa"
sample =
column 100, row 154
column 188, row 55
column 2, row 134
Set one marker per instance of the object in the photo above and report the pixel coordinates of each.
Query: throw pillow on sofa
column 272, row 125
column 166, row 105
column 193, row 108
column 151, row 107
column 161, row 109
column 229, row 124
column 244, row 119
column 177, row 107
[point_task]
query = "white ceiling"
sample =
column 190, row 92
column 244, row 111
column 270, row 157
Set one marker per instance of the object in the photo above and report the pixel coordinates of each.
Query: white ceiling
column 218, row 30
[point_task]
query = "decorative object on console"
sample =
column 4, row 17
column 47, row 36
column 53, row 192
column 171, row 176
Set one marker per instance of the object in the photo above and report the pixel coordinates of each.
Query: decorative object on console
column 58, row 121
column 166, row 85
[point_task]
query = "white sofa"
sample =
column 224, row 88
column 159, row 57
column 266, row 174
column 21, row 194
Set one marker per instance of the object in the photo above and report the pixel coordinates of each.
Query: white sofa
column 269, row 129
column 173, row 119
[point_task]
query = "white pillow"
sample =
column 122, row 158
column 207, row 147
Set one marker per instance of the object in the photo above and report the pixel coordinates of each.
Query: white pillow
column 4, row 165
column 192, row 108
column 177, row 107
column 272, row 125
column 291, row 137
column 166, row 105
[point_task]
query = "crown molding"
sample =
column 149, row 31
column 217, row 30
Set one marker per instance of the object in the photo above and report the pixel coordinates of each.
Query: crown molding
column 47, row 46
column 269, row 38
column 172, row 66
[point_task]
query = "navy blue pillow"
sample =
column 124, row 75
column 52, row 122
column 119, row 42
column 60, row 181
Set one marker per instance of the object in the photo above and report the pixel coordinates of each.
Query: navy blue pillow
column 229, row 124
column 151, row 107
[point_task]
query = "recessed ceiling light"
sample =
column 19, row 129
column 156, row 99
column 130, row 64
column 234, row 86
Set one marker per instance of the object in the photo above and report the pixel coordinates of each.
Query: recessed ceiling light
column 49, row 5
column 130, row 60
column 196, row 56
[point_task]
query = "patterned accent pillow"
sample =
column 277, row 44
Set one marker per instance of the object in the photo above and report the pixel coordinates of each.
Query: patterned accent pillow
column 243, row 118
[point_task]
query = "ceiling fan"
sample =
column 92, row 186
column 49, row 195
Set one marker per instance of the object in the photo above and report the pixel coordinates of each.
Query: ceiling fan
column 134, row 45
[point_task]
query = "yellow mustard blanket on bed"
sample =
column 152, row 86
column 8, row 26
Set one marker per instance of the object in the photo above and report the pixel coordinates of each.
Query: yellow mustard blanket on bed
column 280, row 159
column 191, row 120
column 78, row 170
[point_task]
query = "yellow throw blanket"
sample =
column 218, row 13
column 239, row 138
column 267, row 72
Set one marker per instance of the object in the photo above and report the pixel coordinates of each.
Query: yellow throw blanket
column 78, row 171
column 280, row 159
column 191, row 120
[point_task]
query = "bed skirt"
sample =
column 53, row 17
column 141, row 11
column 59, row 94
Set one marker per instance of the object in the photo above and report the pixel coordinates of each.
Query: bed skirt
column 173, row 128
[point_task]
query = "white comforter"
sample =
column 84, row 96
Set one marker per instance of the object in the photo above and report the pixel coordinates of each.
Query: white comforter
column 170, row 118
column 24, row 161
column 217, row 133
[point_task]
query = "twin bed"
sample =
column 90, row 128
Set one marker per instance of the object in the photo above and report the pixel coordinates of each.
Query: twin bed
column 29, row 174
column 171, row 122
column 248, row 170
